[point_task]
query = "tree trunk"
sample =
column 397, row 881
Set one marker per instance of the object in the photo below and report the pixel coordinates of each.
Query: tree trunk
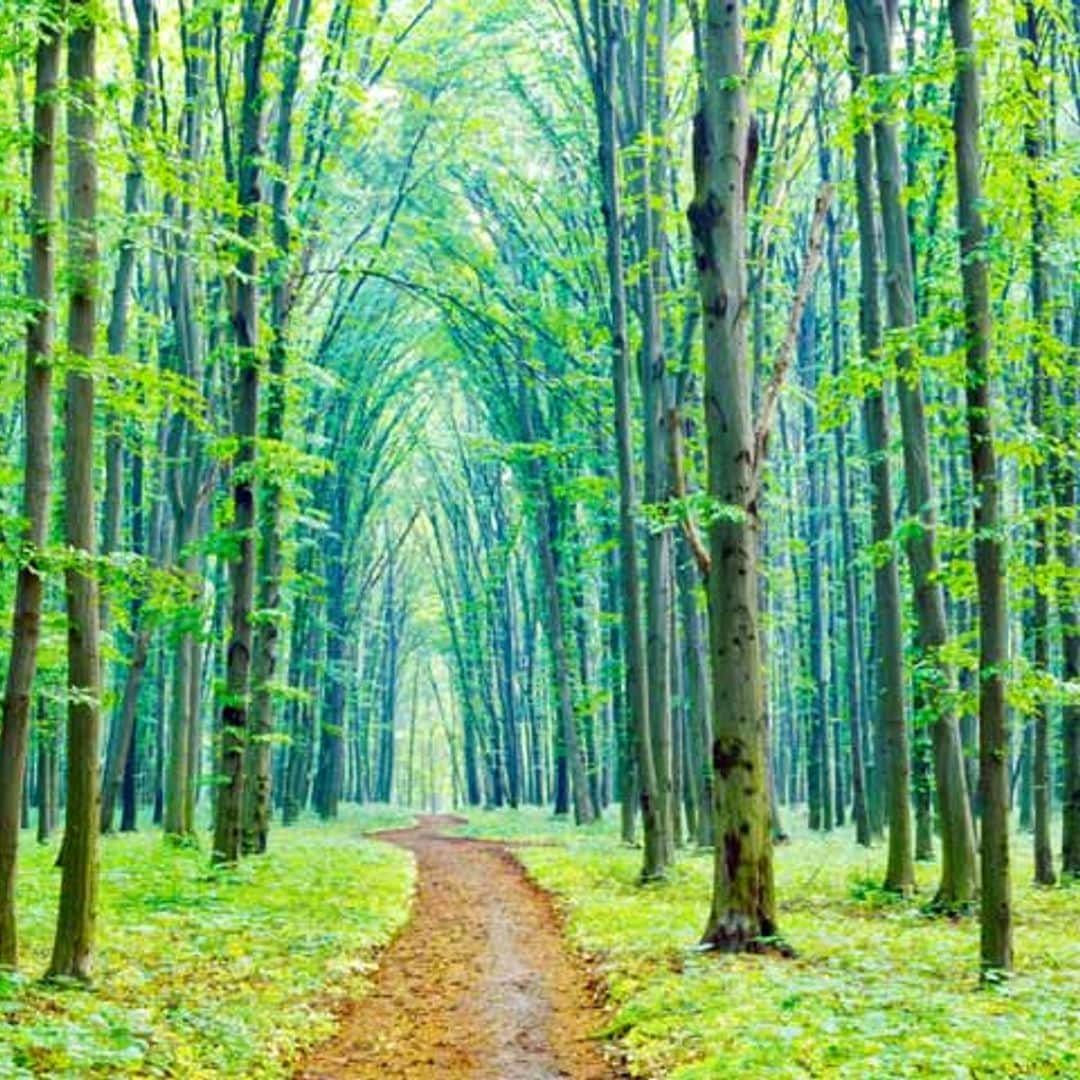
column 1065, row 497
column 996, row 894
column 73, row 945
column 893, row 752
column 743, row 913
column 258, row 795
column 1041, row 391
column 608, row 57
column 26, row 614
column 257, row 19
column 957, row 886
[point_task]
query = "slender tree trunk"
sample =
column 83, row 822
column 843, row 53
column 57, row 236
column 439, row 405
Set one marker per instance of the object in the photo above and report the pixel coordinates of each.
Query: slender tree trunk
column 996, row 889
column 892, row 747
column 257, row 20
column 1065, row 497
column 1041, row 391
column 699, row 740
column 258, row 808
column 958, row 885
column 46, row 776
column 26, row 614
column 74, row 941
column 608, row 58
column 819, row 772
column 651, row 109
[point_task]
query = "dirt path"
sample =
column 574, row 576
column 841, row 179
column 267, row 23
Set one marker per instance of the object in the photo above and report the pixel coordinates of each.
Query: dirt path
column 478, row 985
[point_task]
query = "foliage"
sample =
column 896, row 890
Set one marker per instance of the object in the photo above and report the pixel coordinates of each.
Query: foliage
column 203, row 973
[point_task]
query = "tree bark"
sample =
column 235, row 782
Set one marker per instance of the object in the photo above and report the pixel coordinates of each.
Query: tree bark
column 37, row 396
column 1041, row 392
column 996, row 889
column 891, row 735
column 258, row 807
column 743, row 912
column 957, row 886
column 257, row 20
column 73, row 945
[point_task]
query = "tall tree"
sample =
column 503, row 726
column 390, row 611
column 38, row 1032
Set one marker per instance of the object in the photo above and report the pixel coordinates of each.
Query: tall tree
column 891, row 720
column 743, row 913
column 257, row 796
column 1041, row 401
column 73, row 944
column 603, row 46
column 37, row 468
column 256, row 22
column 989, row 544
column 957, row 884
column 123, row 725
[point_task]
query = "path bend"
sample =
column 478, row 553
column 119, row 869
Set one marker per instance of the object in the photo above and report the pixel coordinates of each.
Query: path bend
column 479, row 984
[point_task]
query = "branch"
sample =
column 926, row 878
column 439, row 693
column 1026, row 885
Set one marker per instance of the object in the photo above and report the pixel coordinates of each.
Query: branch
column 677, row 467
column 811, row 263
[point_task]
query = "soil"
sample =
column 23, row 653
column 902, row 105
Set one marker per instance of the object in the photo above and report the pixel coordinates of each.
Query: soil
column 479, row 984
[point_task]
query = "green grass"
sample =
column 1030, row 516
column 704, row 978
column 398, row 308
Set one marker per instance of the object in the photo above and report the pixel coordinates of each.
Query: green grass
column 878, row 990
column 201, row 973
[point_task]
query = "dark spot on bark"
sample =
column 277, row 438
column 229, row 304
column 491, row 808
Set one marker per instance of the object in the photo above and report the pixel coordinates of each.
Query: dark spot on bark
column 732, row 854
column 744, row 828
column 717, row 308
column 726, row 755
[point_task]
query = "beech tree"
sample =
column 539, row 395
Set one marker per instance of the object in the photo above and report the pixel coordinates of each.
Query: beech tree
column 73, row 945
column 37, row 469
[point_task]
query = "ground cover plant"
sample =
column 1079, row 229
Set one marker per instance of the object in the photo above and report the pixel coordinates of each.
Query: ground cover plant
column 879, row 988
column 205, row 972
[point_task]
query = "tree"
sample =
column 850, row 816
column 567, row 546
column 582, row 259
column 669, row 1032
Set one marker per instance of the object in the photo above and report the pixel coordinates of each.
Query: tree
column 257, row 21
column 891, row 727
column 74, row 942
column 37, row 395
column 957, row 884
column 743, row 914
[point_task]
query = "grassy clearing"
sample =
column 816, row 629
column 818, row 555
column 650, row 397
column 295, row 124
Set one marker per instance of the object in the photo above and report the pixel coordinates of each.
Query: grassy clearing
column 879, row 990
column 203, row 973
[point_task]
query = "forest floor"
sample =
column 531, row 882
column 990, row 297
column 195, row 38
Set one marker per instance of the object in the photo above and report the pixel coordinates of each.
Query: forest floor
column 205, row 974
column 479, row 984
column 879, row 988
column 456, row 951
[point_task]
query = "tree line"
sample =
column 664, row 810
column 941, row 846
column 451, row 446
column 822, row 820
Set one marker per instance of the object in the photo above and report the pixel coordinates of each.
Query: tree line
column 579, row 404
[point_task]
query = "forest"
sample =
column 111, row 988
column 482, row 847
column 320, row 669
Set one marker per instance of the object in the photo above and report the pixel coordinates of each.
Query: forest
column 539, row 538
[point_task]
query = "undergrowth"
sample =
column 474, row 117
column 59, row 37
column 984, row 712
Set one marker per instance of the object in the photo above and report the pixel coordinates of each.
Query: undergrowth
column 879, row 989
column 204, row 973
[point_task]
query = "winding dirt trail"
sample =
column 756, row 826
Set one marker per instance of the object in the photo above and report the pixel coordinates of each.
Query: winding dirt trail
column 479, row 985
